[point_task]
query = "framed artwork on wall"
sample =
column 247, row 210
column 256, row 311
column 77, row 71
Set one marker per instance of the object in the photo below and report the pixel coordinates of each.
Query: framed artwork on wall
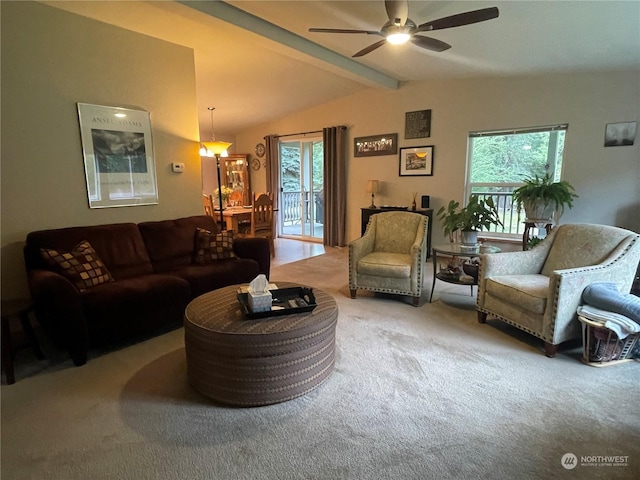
column 416, row 161
column 374, row 145
column 118, row 156
column 417, row 124
column 620, row 134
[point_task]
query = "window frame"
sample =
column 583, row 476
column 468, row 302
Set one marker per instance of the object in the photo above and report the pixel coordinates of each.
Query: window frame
column 554, row 168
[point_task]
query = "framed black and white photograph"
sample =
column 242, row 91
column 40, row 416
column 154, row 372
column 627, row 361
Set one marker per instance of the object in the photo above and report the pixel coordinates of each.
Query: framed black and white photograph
column 416, row 161
column 373, row 145
column 620, row 134
column 417, row 124
column 118, row 156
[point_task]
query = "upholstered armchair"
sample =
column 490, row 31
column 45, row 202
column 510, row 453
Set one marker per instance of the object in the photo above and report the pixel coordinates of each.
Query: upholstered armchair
column 390, row 256
column 539, row 290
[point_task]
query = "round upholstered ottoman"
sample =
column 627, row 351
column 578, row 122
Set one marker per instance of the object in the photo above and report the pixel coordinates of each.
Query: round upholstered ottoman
column 244, row 362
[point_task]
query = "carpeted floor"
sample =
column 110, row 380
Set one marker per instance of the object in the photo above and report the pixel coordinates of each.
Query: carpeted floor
column 417, row 393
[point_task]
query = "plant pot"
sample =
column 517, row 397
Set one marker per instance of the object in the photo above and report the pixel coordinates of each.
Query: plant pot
column 469, row 237
column 538, row 209
column 471, row 269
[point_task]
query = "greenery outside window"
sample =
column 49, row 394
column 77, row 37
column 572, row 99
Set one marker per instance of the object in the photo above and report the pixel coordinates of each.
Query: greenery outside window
column 498, row 162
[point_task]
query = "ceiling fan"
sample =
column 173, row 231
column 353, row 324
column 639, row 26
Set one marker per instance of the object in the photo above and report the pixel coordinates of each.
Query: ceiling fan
column 400, row 29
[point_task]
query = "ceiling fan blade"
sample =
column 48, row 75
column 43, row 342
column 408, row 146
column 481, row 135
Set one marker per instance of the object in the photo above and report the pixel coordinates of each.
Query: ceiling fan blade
column 370, row 48
column 343, row 30
column 397, row 11
column 430, row 43
column 460, row 19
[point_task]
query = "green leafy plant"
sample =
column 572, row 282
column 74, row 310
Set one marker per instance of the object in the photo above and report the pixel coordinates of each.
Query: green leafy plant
column 545, row 193
column 477, row 215
column 533, row 241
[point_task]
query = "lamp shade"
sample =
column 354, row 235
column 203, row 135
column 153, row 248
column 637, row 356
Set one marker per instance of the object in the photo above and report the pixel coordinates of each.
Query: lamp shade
column 372, row 186
column 209, row 149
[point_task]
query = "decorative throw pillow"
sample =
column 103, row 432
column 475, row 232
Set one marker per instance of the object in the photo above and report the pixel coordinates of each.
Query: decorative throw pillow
column 213, row 246
column 81, row 266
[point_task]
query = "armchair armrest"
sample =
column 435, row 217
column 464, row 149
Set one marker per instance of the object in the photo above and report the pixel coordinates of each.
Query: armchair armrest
column 58, row 306
column 508, row 263
column 567, row 287
column 358, row 249
column 256, row 249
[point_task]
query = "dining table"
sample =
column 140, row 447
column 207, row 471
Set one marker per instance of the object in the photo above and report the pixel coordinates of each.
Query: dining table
column 234, row 216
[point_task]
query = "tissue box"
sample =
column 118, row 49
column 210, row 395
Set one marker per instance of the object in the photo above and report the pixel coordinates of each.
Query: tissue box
column 259, row 302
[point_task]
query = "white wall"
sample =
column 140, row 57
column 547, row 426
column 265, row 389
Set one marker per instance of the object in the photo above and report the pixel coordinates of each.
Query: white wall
column 607, row 179
column 51, row 60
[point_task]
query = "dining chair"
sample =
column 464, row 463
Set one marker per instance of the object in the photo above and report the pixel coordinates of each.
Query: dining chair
column 262, row 219
column 207, row 203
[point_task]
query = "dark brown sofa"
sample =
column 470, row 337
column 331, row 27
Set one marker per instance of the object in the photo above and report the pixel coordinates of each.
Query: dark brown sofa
column 155, row 276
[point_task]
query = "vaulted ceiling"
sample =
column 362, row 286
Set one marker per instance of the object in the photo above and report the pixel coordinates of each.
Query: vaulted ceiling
column 256, row 60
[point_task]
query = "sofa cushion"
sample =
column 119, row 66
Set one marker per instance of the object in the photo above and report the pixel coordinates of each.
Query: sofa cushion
column 81, row 266
column 581, row 245
column 396, row 231
column 135, row 306
column 170, row 243
column 213, row 246
column 380, row 264
column 529, row 292
column 119, row 246
column 218, row 274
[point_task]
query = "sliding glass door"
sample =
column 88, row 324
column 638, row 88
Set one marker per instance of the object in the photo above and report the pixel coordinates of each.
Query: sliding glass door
column 301, row 203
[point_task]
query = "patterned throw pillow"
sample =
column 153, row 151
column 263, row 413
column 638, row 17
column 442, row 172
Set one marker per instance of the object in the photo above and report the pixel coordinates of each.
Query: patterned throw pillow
column 212, row 246
column 81, row 266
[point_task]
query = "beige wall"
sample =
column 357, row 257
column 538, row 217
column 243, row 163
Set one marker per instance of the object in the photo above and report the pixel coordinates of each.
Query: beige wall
column 51, row 60
column 607, row 179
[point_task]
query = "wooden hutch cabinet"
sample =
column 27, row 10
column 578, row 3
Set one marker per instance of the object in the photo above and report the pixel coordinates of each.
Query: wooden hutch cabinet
column 234, row 170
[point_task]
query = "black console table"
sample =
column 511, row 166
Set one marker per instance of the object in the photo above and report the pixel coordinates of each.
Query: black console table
column 427, row 212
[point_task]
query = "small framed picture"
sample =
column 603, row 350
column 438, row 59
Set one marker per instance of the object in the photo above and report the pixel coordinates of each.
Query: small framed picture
column 417, row 124
column 386, row 144
column 416, row 161
column 620, row 134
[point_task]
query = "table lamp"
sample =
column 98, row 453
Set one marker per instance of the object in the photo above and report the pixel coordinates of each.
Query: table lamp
column 373, row 187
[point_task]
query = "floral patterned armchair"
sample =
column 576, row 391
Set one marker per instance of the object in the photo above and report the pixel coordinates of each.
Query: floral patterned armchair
column 539, row 290
column 390, row 257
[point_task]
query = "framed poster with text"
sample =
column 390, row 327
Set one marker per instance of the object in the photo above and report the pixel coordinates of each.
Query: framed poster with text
column 118, row 156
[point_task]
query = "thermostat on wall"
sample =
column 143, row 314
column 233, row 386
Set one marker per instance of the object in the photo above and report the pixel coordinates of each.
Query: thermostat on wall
column 177, row 167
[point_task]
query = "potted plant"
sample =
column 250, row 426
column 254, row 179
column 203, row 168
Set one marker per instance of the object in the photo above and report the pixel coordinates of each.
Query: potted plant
column 541, row 197
column 477, row 215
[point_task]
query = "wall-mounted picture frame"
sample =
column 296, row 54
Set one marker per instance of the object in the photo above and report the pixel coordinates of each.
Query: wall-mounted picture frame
column 416, row 161
column 386, row 144
column 622, row 134
column 417, row 124
column 118, row 156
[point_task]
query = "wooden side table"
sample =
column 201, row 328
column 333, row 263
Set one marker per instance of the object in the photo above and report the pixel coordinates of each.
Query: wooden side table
column 16, row 308
column 530, row 225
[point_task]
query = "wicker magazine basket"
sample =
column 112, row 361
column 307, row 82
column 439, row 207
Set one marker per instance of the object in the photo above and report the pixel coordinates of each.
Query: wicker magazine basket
column 602, row 347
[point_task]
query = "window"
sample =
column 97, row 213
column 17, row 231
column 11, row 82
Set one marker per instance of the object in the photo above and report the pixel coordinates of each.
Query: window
column 498, row 161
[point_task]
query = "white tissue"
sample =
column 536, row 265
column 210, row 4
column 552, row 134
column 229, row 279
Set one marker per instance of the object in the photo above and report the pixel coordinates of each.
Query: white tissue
column 259, row 295
column 259, row 285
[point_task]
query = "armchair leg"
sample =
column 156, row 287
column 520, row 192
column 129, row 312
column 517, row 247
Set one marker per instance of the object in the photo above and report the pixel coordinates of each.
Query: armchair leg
column 550, row 349
column 353, row 292
column 482, row 317
column 416, row 301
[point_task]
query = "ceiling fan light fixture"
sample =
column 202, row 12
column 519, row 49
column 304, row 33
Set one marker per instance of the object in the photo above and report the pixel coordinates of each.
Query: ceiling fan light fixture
column 398, row 38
